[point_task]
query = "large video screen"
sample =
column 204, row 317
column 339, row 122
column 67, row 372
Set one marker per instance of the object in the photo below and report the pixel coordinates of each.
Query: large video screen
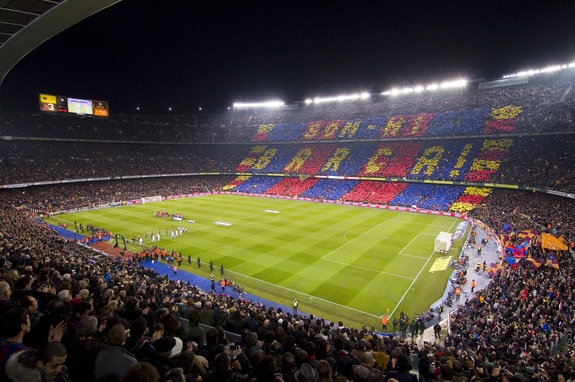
column 59, row 104
column 80, row 106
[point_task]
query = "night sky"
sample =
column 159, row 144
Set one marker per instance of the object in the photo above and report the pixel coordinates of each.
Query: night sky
column 189, row 54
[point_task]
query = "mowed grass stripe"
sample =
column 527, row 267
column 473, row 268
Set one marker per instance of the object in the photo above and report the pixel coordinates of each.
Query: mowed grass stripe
column 278, row 256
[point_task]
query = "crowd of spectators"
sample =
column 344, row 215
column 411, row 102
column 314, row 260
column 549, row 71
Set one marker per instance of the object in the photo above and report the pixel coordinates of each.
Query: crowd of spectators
column 54, row 198
column 63, row 315
column 34, row 161
column 501, row 334
column 547, row 107
column 524, row 211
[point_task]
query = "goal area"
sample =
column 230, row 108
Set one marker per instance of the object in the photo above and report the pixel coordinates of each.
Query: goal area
column 443, row 242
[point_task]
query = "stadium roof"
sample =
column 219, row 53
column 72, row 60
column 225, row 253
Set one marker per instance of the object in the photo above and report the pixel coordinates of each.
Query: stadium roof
column 25, row 24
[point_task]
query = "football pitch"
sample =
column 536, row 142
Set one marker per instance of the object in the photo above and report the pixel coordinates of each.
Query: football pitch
column 341, row 262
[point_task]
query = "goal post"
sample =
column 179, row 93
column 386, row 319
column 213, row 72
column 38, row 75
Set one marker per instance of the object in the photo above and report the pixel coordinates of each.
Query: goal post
column 443, row 242
column 150, row 199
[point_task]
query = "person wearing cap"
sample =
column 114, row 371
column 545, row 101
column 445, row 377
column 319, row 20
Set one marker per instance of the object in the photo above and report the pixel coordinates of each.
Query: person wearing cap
column 163, row 349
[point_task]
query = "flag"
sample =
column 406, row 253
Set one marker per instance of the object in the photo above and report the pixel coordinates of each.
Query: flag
column 523, row 247
column 513, row 261
column 505, row 240
column 527, row 235
column 506, row 227
column 551, row 242
column 552, row 261
column 517, row 252
column 536, row 263
column 494, row 269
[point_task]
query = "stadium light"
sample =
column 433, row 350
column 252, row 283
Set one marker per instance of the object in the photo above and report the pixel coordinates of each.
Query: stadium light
column 250, row 105
column 453, row 84
column 339, row 98
column 533, row 72
column 430, row 87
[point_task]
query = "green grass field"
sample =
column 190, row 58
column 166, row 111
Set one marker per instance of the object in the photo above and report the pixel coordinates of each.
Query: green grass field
column 342, row 262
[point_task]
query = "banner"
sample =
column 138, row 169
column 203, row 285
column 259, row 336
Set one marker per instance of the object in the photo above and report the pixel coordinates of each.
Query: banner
column 549, row 241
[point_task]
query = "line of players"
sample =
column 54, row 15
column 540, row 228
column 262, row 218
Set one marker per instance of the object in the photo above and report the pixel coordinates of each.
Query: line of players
column 174, row 233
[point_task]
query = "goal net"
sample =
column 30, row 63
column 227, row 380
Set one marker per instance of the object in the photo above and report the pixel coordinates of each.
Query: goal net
column 442, row 242
column 150, row 199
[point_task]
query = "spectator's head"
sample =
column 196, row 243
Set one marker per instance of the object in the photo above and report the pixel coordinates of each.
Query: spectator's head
column 138, row 328
column 64, row 295
column 29, row 303
column 56, row 307
column 185, row 360
column 51, row 358
column 5, row 290
column 361, row 373
column 164, row 345
column 306, row 374
column 23, row 283
column 13, row 322
column 288, row 363
column 338, row 343
column 84, row 294
column 367, row 359
column 82, row 309
column 403, row 363
column 221, row 364
column 116, row 335
column 175, row 375
column 324, row 370
column 141, row 372
column 88, row 326
column 171, row 324
column 446, row 372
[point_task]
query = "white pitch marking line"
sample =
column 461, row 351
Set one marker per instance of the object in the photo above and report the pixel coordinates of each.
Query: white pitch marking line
column 417, row 257
column 416, row 277
column 307, row 295
column 370, row 269
column 355, row 238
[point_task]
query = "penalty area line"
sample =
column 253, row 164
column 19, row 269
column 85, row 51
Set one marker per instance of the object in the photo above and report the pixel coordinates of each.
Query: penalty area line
column 416, row 277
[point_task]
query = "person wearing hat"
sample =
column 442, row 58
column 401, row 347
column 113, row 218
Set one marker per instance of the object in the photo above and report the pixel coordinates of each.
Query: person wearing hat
column 306, row 373
column 163, row 348
column 368, row 363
